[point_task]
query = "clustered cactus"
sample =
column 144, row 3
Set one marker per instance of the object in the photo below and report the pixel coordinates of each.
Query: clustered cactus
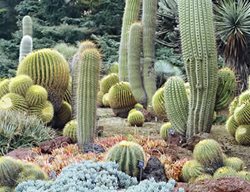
column 210, row 162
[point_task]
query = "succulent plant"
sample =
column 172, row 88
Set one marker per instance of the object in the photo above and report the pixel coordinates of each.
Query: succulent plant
column 244, row 175
column 27, row 25
column 242, row 114
column 127, row 155
column 244, row 97
column 70, row 130
column 20, row 84
column 235, row 163
column 209, row 153
column 13, row 102
column 6, row 189
column 43, row 111
column 108, row 81
column 113, row 68
column 100, row 95
column 138, row 106
column 36, row 95
column 136, row 118
column 242, row 134
column 63, row 115
column 4, row 87
column 121, row 99
column 233, row 105
column 224, row 172
column 192, row 169
column 158, row 103
column 47, row 68
column 105, row 100
column 68, row 93
column 26, row 47
column 164, row 131
column 203, row 177
column 231, row 125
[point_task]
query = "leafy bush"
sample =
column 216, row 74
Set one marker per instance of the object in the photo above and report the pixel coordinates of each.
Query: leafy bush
column 66, row 50
column 19, row 130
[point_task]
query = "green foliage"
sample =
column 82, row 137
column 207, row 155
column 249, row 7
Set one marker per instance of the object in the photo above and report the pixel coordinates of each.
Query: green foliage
column 136, row 118
column 70, row 130
column 224, row 172
column 20, row 84
column 242, row 134
column 67, row 50
column 127, row 154
column 191, row 170
column 36, row 95
column 164, row 131
column 19, row 130
column 13, row 102
column 234, row 162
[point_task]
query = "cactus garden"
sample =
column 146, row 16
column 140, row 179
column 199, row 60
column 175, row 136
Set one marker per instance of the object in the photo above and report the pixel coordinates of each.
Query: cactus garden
column 125, row 96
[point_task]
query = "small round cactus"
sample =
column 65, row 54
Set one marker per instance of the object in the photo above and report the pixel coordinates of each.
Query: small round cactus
column 99, row 99
column 127, row 155
column 244, row 175
column 235, row 163
column 108, row 81
column 244, row 97
column 136, row 118
column 44, row 111
column 138, row 106
column 209, row 153
column 224, row 172
column 231, row 125
column 63, row 115
column 20, row 84
column 105, row 100
column 13, row 102
column 203, row 177
column 242, row 135
column 158, row 103
column 36, row 95
column 233, row 105
column 114, row 68
column 191, row 169
column 242, row 114
column 70, row 130
column 164, row 131
column 4, row 87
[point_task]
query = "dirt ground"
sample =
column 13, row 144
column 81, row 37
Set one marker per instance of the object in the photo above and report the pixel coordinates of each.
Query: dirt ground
column 118, row 126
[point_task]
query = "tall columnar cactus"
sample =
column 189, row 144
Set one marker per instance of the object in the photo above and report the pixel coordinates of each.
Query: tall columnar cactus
column 176, row 103
column 127, row 155
column 49, row 69
column 87, row 88
column 27, row 26
column 131, row 14
column 26, row 47
column 134, row 63
column 200, row 58
column 149, row 27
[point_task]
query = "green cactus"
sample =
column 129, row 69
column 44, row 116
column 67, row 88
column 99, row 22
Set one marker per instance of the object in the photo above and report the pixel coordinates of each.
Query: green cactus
column 26, row 47
column 13, row 102
column 191, row 169
column 231, row 125
column 108, row 81
column 127, row 155
column 114, row 68
column 70, row 130
column 100, row 95
column 136, row 118
column 164, row 130
column 242, row 114
column 209, row 153
column 200, row 58
column 233, row 105
column 134, row 63
column 224, row 172
column 235, row 163
column 36, row 95
column 226, row 88
column 242, row 135
column 87, row 88
column 203, row 177
column 20, row 84
column 244, row 97
column 158, row 104
column 121, row 99
column 4, row 87
column 138, row 106
column 63, row 115
column 105, row 100
column 176, row 103
column 27, row 26
column 43, row 111
column 68, row 93
column 131, row 15
column 9, row 171
column 49, row 69
column 244, row 175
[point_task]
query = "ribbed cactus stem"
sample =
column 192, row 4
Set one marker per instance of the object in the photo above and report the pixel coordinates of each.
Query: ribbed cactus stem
column 134, row 63
column 27, row 26
column 131, row 14
column 87, row 88
column 149, row 27
column 200, row 57
column 26, row 47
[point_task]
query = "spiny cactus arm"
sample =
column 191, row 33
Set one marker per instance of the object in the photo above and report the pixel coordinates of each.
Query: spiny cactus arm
column 27, row 26
column 134, row 63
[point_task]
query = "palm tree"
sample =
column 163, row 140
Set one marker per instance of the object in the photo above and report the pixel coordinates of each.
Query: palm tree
column 233, row 26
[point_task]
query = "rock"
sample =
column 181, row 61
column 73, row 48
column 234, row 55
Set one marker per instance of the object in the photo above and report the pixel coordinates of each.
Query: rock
column 175, row 138
column 191, row 142
column 154, row 169
column 21, row 153
column 177, row 152
column 49, row 146
column 94, row 148
column 230, row 184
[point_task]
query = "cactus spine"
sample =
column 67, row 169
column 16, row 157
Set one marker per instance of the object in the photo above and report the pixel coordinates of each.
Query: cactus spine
column 176, row 103
column 131, row 14
column 200, row 58
column 149, row 27
column 87, row 88
column 27, row 26
column 134, row 63
column 26, row 47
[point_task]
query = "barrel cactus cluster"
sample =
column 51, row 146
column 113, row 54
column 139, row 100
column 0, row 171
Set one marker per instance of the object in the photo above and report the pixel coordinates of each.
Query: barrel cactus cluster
column 21, row 94
column 210, row 162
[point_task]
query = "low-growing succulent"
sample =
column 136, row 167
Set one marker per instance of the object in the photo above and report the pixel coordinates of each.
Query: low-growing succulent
column 4, row 87
column 127, row 155
column 99, row 99
column 224, row 172
column 231, row 125
column 136, row 118
column 203, row 177
column 105, row 100
column 242, row 134
column 20, row 84
column 44, row 111
column 36, row 95
column 164, row 131
column 192, row 169
column 13, row 102
column 158, row 103
column 235, row 163
column 108, row 81
column 244, row 175
column 70, row 130
column 138, row 106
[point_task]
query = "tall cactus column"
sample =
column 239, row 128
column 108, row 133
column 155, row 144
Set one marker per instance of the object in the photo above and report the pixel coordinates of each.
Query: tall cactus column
column 87, row 88
column 149, row 28
column 200, row 57
column 131, row 14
